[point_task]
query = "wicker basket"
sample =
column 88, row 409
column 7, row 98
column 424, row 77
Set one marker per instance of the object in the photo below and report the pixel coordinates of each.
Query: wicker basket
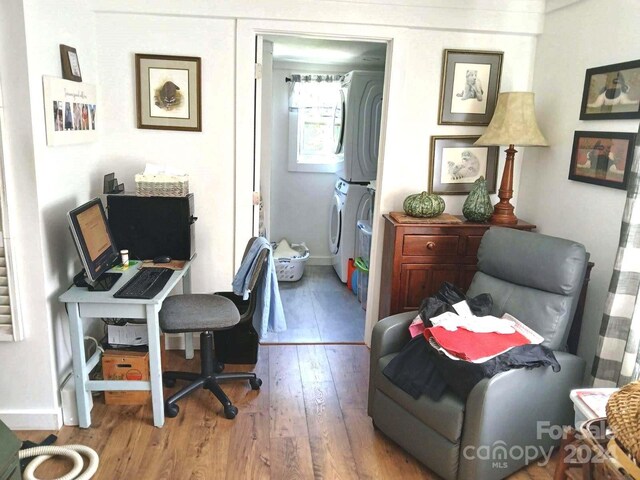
column 623, row 415
column 162, row 185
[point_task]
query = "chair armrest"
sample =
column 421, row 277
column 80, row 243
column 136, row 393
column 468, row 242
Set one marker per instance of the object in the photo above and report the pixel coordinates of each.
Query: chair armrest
column 391, row 334
column 518, row 407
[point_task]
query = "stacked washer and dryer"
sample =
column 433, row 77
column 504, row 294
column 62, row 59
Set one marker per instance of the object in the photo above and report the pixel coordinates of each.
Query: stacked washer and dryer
column 357, row 141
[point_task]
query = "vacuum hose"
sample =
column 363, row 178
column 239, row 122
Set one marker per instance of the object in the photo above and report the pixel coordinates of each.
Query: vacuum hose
column 71, row 451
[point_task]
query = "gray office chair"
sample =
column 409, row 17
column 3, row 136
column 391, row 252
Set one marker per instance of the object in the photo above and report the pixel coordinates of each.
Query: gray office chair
column 537, row 279
column 209, row 313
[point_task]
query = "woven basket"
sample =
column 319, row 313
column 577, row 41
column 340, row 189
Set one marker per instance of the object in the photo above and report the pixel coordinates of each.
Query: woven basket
column 162, row 185
column 623, row 415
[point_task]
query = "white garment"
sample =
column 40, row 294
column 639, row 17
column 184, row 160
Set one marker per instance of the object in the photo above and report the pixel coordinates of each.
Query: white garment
column 451, row 322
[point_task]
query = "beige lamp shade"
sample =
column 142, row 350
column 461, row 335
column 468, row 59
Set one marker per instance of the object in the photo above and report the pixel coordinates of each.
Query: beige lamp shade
column 513, row 122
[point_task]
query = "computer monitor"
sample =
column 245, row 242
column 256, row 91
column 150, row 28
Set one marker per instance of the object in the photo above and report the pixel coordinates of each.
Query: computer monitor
column 94, row 242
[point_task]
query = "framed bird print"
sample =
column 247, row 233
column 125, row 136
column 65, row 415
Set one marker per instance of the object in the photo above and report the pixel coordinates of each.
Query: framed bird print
column 168, row 92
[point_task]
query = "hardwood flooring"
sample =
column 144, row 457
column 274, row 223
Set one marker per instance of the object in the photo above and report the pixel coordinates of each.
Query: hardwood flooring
column 308, row 421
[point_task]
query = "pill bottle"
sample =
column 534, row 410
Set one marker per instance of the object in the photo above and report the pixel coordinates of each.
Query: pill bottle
column 124, row 258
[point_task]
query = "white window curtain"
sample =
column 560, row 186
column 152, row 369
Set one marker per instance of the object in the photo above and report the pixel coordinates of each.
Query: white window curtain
column 318, row 96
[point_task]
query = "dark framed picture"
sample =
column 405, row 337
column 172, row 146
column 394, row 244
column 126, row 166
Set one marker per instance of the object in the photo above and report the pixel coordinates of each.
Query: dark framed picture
column 70, row 63
column 602, row 158
column 611, row 92
column 469, row 87
column 168, row 92
column 456, row 163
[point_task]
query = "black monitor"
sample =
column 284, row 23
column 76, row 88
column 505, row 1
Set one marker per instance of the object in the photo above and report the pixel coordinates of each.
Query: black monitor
column 95, row 245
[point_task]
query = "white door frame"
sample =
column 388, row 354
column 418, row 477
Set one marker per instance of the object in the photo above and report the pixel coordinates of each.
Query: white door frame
column 246, row 33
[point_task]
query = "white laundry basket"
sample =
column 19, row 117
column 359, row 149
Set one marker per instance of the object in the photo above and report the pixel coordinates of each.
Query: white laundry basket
column 290, row 269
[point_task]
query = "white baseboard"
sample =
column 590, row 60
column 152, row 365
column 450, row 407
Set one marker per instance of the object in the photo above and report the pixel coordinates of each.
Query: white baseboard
column 319, row 261
column 32, row 419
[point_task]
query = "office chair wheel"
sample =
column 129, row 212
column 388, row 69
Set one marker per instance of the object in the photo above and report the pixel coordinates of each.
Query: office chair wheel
column 218, row 367
column 255, row 383
column 169, row 382
column 171, row 410
column 230, row 412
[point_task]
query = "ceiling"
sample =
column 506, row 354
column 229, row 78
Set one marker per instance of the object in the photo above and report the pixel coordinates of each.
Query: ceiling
column 327, row 51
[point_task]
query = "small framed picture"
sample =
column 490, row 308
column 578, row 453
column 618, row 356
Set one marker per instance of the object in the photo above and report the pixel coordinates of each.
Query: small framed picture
column 168, row 92
column 469, row 87
column 602, row 158
column 70, row 63
column 456, row 163
column 611, row 92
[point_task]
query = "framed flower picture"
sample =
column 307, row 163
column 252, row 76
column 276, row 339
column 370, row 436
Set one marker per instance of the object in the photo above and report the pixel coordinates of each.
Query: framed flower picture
column 168, row 92
column 469, row 88
column 456, row 163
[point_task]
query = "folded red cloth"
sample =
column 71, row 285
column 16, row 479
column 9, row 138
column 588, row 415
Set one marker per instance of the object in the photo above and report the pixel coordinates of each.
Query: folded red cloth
column 472, row 345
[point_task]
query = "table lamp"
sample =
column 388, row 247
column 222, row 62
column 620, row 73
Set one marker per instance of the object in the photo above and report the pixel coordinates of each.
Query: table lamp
column 513, row 123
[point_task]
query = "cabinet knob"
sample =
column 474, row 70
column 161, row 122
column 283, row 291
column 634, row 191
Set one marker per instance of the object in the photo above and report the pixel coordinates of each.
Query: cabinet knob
column 431, row 245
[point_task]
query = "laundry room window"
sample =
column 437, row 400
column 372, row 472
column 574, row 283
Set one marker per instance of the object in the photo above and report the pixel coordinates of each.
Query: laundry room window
column 314, row 122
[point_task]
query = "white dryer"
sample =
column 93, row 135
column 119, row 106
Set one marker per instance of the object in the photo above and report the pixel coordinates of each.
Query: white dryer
column 358, row 125
column 347, row 200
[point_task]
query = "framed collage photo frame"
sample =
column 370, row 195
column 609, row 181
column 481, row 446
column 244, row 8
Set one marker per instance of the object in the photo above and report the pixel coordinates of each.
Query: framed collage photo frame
column 456, row 163
column 602, row 158
column 469, row 87
column 611, row 92
column 168, row 92
column 70, row 111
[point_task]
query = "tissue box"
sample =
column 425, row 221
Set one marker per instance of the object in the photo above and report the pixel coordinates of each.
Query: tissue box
column 162, row 185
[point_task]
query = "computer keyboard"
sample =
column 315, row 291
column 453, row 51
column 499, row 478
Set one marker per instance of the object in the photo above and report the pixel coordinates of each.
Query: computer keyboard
column 145, row 284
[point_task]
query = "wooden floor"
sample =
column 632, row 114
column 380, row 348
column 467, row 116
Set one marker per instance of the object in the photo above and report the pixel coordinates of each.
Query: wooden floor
column 308, row 421
column 319, row 309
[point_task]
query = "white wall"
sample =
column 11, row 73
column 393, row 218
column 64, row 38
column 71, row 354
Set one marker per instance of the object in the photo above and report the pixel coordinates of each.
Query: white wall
column 44, row 182
column 586, row 213
column 300, row 201
column 207, row 156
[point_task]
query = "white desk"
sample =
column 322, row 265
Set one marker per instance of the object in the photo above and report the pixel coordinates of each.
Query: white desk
column 82, row 304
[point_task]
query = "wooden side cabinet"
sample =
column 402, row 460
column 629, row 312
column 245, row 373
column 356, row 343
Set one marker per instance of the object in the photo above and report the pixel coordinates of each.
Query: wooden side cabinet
column 418, row 257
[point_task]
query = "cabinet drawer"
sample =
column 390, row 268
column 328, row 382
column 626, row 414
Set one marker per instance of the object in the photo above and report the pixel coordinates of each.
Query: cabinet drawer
column 430, row 245
column 473, row 243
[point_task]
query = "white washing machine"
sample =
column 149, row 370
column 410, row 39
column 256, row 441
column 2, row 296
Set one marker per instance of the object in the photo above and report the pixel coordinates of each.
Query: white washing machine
column 358, row 125
column 348, row 198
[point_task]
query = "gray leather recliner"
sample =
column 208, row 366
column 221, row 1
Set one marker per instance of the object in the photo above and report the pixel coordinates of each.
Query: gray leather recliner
column 511, row 419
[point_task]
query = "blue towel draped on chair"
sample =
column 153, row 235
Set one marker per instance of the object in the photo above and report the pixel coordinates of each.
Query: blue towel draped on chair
column 269, row 315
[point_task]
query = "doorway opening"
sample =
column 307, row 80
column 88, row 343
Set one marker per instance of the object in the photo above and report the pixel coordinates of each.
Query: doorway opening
column 319, row 109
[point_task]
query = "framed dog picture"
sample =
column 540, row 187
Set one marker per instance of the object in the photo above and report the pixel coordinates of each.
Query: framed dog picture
column 602, row 158
column 611, row 92
column 456, row 163
column 168, row 92
column 469, row 88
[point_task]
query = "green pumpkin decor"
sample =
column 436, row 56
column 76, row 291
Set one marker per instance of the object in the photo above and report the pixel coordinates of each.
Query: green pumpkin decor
column 423, row 205
column 477, row 207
